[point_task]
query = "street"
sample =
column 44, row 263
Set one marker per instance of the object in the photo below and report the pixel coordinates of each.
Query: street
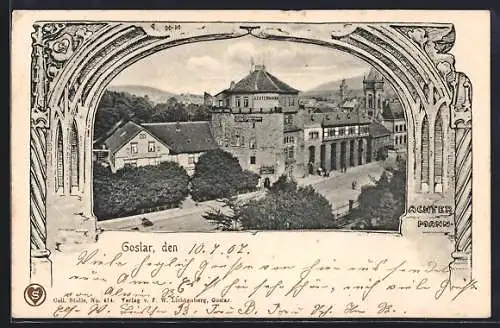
column 337, row 189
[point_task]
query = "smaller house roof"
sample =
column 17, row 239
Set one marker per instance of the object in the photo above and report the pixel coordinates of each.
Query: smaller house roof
column 183, row 137
column 122, row 135
column 377, row 130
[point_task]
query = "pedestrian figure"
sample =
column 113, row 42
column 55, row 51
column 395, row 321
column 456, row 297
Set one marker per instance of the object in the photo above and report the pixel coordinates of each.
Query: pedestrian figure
column 354, row 184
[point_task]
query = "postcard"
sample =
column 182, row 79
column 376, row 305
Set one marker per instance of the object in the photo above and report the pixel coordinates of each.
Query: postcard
column 250, row 164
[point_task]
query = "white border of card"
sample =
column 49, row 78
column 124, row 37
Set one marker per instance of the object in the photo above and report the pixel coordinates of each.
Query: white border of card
column 67, row 264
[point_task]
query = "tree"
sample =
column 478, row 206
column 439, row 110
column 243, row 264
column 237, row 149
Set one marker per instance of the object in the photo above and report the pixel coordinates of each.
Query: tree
column 218, row 174
column 120, row 106
column 172, row 111
column 382, row 153
column 285, row 207
column 381, row 205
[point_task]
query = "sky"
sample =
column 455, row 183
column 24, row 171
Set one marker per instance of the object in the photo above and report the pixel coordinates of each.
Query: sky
column 211, row 66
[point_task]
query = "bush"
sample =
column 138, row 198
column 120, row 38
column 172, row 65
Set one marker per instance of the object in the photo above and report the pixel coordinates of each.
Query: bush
column 382, row 154
column 218, row 174
column 135, row 190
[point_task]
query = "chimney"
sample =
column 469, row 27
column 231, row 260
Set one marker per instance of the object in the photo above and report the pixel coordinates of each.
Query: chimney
column 260, row 67
column 231, row 86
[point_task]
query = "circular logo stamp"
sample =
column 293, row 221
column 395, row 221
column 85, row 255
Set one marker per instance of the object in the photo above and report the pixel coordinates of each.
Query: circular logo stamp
column 35, row 294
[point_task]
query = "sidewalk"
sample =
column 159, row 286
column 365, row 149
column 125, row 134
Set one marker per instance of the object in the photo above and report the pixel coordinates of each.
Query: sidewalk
column 188, row 207
column 337, row 188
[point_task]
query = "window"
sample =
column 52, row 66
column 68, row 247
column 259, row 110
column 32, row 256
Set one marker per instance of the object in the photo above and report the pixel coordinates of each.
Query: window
column 134, row 148
column 252, row 144
column 252, row 159
column 341, row 131
column 237, row 139
column 151, row 146
column 293, row 101
column 314, row 135
column 289, row 119
column 59, row 158
column 191, row 160
column 289, row 153
column 245, row 101
column 221, row 103
column 370, row 101
column 74, row 159
column 289, row 139
column 238, row 102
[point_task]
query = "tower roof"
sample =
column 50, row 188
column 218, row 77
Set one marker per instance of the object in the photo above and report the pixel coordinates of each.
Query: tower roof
column 260, row 81
column 374, row 75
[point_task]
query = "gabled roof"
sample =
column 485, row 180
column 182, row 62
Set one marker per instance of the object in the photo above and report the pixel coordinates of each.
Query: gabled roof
column 393, row 110
column 350, row 103
column 377, row 130
column 122, row 135
column 345, row 118
column 260, row 81
column 183, row 137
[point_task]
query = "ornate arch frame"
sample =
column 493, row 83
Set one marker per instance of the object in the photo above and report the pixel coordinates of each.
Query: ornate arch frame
column 72, row 63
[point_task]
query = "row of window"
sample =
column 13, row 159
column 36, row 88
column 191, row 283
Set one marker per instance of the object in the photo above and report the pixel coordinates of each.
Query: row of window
column 133, row 162
column 400, row 128
column 371, row 101
column 245, row 102
column 134, row 147
column 291, row 100
column 344, row 131
column 237, row 140
column 400, row 140
column 289, row 140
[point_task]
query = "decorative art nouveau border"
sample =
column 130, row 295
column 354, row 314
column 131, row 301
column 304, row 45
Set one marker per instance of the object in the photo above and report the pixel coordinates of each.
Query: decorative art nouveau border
column 72, row 62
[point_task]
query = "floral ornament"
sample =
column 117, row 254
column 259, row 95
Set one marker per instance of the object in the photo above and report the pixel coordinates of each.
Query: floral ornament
column 419, row 36
column 61, row 48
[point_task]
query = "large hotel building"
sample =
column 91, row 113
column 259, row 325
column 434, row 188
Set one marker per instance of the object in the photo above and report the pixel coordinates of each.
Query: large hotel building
column 260, row 121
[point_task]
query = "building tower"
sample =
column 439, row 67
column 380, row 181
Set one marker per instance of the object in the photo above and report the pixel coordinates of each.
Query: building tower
column 343, row 90
column 373, row 87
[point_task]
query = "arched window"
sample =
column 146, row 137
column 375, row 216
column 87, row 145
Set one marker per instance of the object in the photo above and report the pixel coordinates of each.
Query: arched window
column 438, row 154
column 59, row 158
column 425, row 155
column 74, row 158
column 370, row 101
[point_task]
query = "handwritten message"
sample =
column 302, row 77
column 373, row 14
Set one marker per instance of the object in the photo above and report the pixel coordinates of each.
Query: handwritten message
column 161, row 277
